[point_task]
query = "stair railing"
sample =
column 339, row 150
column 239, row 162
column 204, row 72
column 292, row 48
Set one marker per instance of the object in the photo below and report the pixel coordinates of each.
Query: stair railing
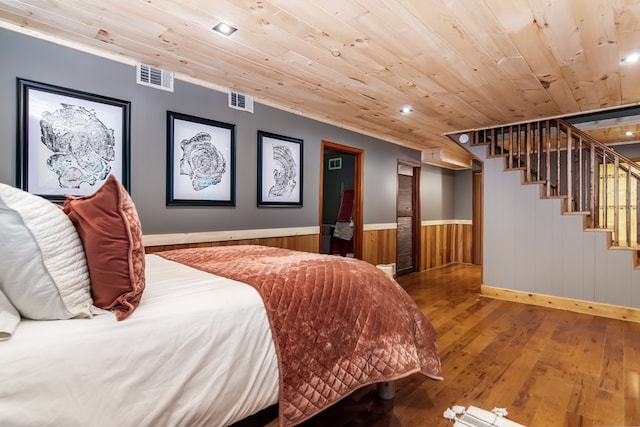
column 593, row 179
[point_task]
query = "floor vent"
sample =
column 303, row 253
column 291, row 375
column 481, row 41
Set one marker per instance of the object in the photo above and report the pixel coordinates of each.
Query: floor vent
column 241, row 102
column 147, row 75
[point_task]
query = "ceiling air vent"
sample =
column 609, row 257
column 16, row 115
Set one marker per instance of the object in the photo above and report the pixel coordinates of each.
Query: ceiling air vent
column 155, row 77
column 241, row 102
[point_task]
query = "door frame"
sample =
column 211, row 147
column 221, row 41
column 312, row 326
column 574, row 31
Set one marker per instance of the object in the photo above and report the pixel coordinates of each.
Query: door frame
column 358, row 170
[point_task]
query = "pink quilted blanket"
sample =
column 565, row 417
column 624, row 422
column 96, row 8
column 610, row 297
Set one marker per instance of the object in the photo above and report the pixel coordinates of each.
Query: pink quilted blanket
column 338, row 323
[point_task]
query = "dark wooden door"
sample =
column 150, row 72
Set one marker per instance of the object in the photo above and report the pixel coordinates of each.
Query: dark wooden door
column 408, row 233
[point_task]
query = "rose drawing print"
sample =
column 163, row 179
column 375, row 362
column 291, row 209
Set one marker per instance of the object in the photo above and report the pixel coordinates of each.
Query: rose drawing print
column 70, row 141
column 200, row 161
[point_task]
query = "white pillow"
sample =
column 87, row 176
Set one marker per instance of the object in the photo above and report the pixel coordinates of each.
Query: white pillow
column 9, row 318
column 43, row 270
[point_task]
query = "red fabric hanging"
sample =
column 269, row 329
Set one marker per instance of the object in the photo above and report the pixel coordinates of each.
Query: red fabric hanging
column 345, row 212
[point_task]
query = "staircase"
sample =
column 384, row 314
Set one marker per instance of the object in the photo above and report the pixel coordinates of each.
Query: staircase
column 590, row 178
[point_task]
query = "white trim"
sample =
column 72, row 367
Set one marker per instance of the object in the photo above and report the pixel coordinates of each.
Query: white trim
column 223, row 236
column 447, row 222
column 383, row 226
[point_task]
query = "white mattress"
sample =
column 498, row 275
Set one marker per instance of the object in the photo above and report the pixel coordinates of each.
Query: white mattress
column 196, row 352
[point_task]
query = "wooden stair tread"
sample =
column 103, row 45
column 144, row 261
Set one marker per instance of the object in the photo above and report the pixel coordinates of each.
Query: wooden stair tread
column 608, row 230
column 576, row 213
column 624, row 248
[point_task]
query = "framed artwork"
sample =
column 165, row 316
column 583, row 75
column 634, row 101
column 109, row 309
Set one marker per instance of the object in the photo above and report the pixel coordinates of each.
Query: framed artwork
column 279, row 170
column 70, row 141
column 200, row 161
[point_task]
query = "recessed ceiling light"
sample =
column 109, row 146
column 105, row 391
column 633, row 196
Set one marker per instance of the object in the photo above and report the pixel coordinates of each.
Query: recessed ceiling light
column 464, row 138
column 406, row 109
column 631, row 58
column 628, row 133
column 224, row 28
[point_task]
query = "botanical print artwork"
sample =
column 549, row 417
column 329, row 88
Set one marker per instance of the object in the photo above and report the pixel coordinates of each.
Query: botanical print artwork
column 284, row 174
column 83, row 146
column 202, row 161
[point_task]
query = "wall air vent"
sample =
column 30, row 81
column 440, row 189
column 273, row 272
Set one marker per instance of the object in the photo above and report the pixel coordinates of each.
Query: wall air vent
column 147, row 75
column 241, row 102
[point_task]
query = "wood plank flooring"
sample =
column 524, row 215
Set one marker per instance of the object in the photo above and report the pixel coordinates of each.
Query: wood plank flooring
column 547, row 367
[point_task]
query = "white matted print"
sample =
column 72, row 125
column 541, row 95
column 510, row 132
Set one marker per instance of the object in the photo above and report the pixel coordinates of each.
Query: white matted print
column 279, row 170
column 200, row 161
column 70, row 141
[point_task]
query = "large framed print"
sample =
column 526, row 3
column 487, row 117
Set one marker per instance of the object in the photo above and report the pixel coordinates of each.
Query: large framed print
column 279, row 170
column 200, row 161
column 69, row 141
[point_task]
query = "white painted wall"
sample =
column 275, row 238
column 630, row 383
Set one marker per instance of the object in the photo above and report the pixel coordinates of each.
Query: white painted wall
column 530, row 246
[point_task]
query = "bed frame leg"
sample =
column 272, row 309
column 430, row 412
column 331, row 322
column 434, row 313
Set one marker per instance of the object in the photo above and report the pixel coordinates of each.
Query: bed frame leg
column 387, row 390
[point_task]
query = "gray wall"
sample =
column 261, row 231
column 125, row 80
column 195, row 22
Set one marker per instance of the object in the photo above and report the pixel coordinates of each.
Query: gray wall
column 530, row 247
column 463, row 195
column 437, row 187
column 34, row 59
column 632, row 151
column 445, row 194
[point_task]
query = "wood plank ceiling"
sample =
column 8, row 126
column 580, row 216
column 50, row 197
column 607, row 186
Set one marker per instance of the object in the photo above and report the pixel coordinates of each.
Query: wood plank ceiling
column 461, row 64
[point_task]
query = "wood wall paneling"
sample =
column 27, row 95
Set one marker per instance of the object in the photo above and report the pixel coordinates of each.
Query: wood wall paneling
column 305, row 243
column 441, row 244
column 380, row 246
column 445, row 244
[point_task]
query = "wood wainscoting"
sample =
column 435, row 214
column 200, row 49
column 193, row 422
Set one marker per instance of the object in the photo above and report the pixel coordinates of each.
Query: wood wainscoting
column 443, row 242
column 379, row 243
column 379, row 240
column 446, row 242
column 304, row 239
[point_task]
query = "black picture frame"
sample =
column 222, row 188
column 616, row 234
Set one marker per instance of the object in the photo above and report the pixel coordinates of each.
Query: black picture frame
column 69, row 141
column 201, row 161
column 280, row 170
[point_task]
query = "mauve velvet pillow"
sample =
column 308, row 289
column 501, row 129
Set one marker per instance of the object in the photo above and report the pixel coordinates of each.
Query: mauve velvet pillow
column 108, row 224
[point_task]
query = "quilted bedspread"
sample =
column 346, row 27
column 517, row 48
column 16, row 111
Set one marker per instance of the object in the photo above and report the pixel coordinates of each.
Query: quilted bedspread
column 338, row 323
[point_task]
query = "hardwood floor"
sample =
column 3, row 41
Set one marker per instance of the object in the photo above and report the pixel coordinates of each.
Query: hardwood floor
column 547, row 367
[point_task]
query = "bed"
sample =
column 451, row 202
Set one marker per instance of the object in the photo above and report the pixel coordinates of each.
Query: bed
column 190, row 337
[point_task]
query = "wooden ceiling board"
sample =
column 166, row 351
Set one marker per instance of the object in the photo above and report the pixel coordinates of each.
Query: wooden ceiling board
column 354, row 63
column 475, row 68
column 598, row 31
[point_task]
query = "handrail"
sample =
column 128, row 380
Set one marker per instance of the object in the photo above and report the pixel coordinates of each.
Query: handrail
column 571, row 164
column 604, row 147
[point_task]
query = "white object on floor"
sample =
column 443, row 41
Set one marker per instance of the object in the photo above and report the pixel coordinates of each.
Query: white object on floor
column 477, row 417
column 458, row 409
column 501, row 412
column 449, row 414
column 387, row 268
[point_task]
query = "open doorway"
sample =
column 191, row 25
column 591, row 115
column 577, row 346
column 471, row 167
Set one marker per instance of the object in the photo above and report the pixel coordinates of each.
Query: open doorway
column 341, row 200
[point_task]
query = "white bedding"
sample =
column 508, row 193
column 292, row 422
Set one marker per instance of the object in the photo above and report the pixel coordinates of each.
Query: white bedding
column 196, row 352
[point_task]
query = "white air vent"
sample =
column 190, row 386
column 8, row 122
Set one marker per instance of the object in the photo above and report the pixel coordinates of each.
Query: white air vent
column 241, row 102
column 155, row 77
